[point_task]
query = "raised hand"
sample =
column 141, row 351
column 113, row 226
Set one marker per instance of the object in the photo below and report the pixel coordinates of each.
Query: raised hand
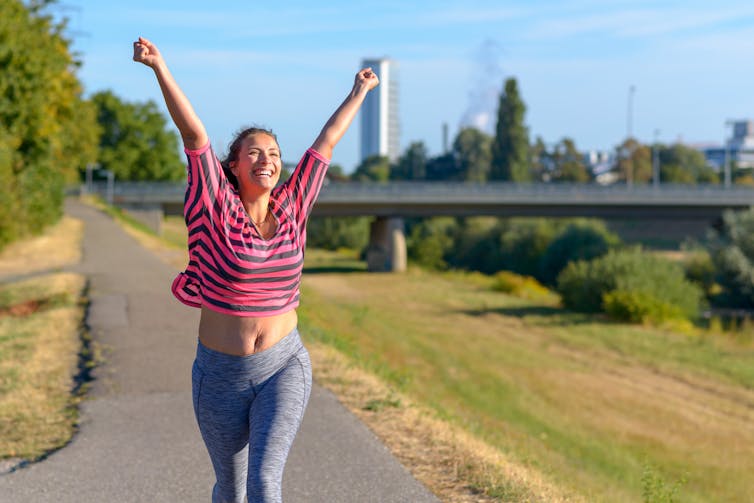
column 146, row 52
column 191, row 128
column 366, row 78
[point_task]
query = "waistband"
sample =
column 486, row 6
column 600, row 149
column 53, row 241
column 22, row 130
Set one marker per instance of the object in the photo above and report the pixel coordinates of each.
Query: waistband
column 256, row 366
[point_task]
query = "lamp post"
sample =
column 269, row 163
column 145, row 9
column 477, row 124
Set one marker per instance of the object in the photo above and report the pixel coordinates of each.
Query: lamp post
column 630, row 112
column 726, row 158
column 629, row 133
column 656, row 161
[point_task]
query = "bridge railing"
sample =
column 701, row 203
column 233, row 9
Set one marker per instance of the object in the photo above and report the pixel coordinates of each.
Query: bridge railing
column 334, row 192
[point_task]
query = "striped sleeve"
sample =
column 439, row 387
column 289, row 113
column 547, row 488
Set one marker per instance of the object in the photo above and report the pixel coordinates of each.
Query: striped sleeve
column 205, row 197
column 207, row 184
column 305, row 183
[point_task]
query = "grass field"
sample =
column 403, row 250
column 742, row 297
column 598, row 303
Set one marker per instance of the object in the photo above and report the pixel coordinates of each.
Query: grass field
column 606, row 411
column 40, row 343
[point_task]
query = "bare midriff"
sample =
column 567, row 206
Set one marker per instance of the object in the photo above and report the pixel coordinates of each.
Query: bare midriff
column 241, row 336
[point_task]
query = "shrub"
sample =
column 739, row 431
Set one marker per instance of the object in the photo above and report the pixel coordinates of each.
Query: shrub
column 473, row 245
column 580, row 240
column 637, row 276
column 638, row 307
column 332, row 233
column 732, row 252
column 429, row 241
column 700, row 270
column 522, row 243
column 520, row 286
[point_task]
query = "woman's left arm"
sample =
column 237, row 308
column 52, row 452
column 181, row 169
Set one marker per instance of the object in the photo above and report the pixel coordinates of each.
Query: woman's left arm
column 336, row 126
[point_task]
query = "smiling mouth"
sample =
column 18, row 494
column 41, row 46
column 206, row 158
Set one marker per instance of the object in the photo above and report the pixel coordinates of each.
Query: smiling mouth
column 263, row 172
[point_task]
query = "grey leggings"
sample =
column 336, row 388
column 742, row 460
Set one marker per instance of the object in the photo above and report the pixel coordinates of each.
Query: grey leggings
column 249, row 409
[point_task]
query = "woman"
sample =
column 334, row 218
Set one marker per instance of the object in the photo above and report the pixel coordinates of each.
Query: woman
column 252, row 376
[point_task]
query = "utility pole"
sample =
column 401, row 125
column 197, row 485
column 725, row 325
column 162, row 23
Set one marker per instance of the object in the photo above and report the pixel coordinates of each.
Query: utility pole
column 726, row 159
column 629, row 135
column 630, row 113
column 656, row 161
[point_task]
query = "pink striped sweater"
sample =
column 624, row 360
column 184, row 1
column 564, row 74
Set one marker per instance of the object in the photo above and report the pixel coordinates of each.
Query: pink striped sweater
column 232, row 269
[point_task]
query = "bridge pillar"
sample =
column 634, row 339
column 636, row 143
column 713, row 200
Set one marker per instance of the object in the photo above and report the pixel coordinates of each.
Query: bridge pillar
column 387, row 246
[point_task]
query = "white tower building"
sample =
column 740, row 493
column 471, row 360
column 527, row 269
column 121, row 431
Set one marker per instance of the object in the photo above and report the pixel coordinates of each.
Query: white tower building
column 380, row 129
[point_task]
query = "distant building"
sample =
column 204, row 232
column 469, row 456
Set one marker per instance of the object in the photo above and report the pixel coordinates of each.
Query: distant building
column 601, row 163
column 739, row 148
column 380, row 128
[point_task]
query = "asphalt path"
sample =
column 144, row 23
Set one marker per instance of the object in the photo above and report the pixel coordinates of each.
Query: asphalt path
column 138, row 440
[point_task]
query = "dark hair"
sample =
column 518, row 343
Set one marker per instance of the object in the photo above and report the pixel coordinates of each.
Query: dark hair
column 235, row 147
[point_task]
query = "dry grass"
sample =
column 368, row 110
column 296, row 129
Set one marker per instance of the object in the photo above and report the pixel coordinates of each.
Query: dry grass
column 60, row 245
column 40, row 328
column 38, row 361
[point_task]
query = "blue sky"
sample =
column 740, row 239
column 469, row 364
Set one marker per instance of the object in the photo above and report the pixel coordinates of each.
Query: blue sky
column 287, row 65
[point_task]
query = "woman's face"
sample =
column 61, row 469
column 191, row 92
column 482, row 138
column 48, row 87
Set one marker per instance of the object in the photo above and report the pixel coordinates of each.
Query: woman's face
column 258, row 164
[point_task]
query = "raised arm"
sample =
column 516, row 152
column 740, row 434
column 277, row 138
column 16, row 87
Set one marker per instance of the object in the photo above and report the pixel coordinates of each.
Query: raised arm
column 191, row 128
column 336, row 126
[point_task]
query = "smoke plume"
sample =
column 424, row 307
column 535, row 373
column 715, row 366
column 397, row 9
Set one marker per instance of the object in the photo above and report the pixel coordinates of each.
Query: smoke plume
column 486, row 82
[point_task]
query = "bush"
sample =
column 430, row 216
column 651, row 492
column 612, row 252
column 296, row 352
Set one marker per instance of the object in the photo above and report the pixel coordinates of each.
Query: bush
column 520, row 286
column 430, row 241
column 580, row 240
column 638, row 307
column 473, row 246
column 583, row 285
column 332, row 233
column 700, row 270
column 732, row 252
column 522, row 244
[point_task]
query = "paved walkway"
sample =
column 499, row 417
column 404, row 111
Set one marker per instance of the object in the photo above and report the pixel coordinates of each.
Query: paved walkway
column 138, row 440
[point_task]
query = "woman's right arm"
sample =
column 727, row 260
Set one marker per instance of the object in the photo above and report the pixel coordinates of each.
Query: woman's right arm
column 190, row 127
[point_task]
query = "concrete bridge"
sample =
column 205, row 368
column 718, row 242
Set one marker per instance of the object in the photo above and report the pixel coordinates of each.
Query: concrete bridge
column 671, row 209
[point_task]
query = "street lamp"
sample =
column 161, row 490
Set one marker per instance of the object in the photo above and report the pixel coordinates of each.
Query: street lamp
column 726, row 158
column 630, row 113
column 656, row 161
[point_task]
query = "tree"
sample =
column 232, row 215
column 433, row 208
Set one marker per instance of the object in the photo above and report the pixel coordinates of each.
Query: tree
column 412, row 165
column 581, row 240
column 682, row 164
column 47, row 130
column 541, row 164
column 442, row 167
column 473, row 152
column 568, row 163
column 336, row 173
column 510, row 148
column 732, row 251
column 375, row 168
column 429, row 241
column 135, row 143
column 634, row 162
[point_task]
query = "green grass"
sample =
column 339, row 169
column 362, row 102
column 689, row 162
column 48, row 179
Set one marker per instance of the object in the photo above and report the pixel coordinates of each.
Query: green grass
column 588, row 402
